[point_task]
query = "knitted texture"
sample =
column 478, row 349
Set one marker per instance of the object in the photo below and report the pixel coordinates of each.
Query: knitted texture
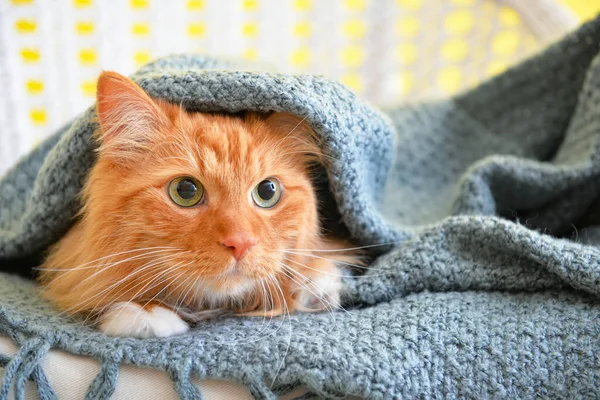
column 492, row 199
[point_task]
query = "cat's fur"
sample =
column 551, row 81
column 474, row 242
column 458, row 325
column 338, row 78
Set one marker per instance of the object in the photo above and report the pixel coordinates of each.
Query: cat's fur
column 134, row 258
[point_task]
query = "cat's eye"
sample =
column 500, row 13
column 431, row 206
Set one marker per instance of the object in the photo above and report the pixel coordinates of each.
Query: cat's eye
column 267, row 193
column 186, row 191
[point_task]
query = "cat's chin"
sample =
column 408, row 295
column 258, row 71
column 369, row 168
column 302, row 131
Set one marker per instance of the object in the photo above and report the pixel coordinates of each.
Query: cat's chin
column 225, row 288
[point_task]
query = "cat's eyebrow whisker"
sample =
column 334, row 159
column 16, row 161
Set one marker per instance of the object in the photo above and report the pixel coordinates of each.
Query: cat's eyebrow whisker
column 186, row 149
column 290, row 132
column 310, row 152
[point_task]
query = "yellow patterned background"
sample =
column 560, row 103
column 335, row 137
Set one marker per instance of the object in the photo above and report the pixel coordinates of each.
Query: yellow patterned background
column 386, row 50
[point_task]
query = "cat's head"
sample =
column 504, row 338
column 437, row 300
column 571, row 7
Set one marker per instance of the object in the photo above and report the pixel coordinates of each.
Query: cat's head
column 221, row 199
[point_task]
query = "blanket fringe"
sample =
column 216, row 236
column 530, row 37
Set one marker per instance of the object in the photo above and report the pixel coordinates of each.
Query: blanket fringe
column 105, row 382
column 259, row 389
column 182, row 383
column 25, row 365
column 43, row 386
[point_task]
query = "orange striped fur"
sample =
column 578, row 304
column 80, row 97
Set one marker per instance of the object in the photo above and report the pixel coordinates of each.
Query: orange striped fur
column 131, row 242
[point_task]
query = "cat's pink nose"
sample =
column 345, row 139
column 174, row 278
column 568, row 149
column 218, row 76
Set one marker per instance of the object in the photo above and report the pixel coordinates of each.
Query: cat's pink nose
column 240, row 243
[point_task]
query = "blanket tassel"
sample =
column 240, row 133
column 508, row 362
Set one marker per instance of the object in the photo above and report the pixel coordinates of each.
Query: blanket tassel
column 182, row 383
column 25, row 365
column 105, row 382
column 258, row 389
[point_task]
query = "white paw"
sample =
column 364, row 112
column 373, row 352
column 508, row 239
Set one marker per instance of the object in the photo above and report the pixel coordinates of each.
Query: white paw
column 130, row 319
column 322, row 292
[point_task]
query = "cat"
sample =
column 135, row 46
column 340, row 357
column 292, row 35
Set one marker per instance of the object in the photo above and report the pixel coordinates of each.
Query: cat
column 193, row 211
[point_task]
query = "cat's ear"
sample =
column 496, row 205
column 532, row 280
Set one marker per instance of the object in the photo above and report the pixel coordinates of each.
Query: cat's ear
column 129, row 119
column 297, row 134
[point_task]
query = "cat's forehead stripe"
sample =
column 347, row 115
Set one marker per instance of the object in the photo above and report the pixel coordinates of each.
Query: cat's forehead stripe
column 227, row 148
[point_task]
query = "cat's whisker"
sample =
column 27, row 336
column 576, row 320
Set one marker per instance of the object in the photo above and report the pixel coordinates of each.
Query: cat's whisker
column 287, row 270
column 286, row 309
column 183, row 295
column 106, row 291
column 75, row 307
column 268, row 299
column 167, row 286
column 88, row 266
column 337, row 250
column 369, row 276
column 143, row 271
column 144, row 267
column 190, row 154
column 96, row 309
column 329, row 304
column 328, row 259
column 263, row 299
column 259, row 331
column 102, row 270
column 159, row 275
column 326, row 303
column 312, row 269
column 262, row 328
column 176, row 158
column 271, row 312
column 145, row 289
column 172, row 280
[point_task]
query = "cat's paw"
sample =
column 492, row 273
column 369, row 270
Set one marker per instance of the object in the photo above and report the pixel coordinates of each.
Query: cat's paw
column 131, row 319
column 322, row 290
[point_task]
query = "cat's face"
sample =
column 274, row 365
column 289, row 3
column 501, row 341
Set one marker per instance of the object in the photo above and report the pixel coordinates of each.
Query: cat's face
column 231, row 194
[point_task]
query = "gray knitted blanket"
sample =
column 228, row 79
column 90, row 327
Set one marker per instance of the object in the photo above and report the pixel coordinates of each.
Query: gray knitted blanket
column 492, row 199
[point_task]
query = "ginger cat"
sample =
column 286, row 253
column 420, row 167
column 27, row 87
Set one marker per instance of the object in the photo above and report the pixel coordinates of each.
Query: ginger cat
column 193, row 211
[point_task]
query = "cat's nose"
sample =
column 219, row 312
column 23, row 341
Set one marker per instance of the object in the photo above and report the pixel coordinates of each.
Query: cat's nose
column 239, row 243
